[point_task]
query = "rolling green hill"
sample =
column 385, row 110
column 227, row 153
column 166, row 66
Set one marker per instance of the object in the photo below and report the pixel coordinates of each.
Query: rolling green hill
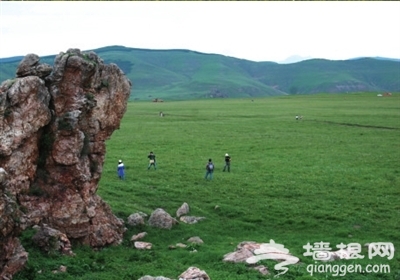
column 185, row 74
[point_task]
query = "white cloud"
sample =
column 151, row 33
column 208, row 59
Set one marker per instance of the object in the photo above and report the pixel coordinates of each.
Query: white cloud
column 260, row 31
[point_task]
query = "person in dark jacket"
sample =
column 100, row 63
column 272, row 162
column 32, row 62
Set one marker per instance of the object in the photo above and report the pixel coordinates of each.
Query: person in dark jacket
column 209, row 169
column 227, row 163
column 152, row 161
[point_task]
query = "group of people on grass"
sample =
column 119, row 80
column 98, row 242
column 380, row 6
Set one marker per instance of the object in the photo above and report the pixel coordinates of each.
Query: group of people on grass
column 121, row 166
column 152, row 162
column 210, row 167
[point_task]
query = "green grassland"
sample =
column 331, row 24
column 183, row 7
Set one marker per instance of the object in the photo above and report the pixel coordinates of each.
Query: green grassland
column 333, row 176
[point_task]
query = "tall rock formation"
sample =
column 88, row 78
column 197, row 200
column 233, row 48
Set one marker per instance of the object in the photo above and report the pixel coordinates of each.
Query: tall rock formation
column 54, row 122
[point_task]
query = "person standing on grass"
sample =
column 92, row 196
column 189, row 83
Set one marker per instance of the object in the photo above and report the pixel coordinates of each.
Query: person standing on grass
column 227, row 163
column 152, row 161
column 121, row 170
column 209, row 169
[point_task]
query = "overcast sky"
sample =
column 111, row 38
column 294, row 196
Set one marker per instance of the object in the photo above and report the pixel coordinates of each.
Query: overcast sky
column 258, row 31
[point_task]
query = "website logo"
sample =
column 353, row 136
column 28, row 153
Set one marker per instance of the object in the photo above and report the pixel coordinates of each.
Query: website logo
column 274, row 251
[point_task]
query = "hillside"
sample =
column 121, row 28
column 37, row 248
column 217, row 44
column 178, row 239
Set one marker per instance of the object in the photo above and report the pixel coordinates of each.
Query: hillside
column 185, row 74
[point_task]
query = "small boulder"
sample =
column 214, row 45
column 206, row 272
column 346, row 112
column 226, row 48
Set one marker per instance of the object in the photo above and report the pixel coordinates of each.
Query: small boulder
column 143, row 245
column 148, row 277
column 262, row 269
column 62, row 268
column 195, row 239
column 194, row 273
column 136, row 219
column 51, row 240
column 161, row 219
column 138, row 236
column 190, row 219
column 240, row 255
column 183, row 210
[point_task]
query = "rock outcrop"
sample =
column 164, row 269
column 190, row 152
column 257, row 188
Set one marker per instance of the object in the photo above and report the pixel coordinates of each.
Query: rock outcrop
column 54, row 122
column 51, row 240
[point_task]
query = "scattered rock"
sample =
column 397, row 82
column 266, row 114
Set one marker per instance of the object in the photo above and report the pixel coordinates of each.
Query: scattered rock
column 138, row 236
column 148, row 277
column 52, row 240
column 269, row 251
column 195, row 239
column 190, row 219
column 62, row 268
column 181, row 245
column 262, row 269
column 240, row 255
column 177, row 245
column 143, row 245
column 136, row 219
column 249, row 245
column 251, row 252
column 183, row 210
column 161, row 219
column 194, row 273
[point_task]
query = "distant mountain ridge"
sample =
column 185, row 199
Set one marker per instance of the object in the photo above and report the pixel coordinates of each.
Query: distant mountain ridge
column 184, row 74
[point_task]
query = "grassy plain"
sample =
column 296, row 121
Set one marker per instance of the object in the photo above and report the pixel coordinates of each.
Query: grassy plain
column 333, row 177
